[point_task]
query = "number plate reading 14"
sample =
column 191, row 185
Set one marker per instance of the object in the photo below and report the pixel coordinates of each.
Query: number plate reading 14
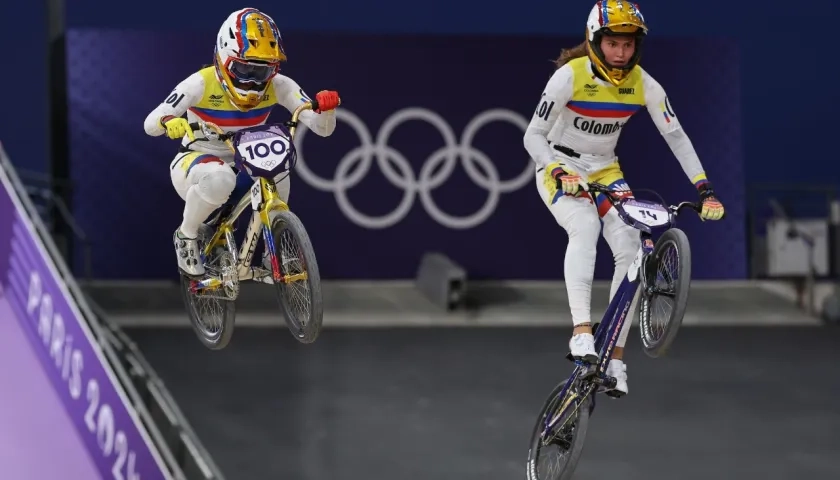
column 651, row 214
column 265, row 153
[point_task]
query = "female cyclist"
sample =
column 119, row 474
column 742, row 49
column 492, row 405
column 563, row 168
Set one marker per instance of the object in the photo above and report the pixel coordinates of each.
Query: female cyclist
column 238, row 91
column 597, row 87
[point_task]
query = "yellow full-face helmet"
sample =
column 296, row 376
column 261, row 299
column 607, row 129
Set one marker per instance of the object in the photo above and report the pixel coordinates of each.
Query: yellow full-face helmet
column 617, row 18
column 249, row 50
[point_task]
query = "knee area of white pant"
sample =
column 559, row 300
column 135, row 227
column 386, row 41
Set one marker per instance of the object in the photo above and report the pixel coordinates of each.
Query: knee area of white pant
column 585, row 228
column 628, row 245
column 215, row 187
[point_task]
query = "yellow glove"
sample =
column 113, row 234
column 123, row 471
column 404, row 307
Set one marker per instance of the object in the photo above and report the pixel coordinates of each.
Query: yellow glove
column 711, row 209
column 177, row 127
column 560, row 182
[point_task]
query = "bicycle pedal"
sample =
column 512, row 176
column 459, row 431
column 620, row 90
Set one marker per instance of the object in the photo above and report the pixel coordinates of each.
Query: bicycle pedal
column 607, row 382
column 196, row 278
column 614, row 393
column 588, row 359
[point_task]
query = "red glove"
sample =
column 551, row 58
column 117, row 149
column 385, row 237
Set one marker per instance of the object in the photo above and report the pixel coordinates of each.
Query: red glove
column 327, row 100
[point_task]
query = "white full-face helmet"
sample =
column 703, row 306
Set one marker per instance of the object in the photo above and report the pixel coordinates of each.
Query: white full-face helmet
column 249, row 50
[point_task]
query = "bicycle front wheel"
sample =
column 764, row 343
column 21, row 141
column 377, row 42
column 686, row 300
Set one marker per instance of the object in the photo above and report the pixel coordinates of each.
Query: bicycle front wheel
column 554, row 452
column 664, row 297
column 298, row 284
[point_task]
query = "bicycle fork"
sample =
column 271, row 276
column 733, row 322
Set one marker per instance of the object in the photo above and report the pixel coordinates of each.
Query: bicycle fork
column 265, row 200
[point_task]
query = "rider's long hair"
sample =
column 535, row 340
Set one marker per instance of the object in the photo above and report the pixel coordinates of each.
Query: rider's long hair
column 569, row 54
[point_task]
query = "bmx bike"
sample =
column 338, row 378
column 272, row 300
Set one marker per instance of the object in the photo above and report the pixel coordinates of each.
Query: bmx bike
column 265, row 153
column 561, row 425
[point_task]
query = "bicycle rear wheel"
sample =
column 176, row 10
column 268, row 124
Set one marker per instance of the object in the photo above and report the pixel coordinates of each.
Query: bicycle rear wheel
column 299, row 284
column 664, row 298
column 212, row 312
column 555, row 456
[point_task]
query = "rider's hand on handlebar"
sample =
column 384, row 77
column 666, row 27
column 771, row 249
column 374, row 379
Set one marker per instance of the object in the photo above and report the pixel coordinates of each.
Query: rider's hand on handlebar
column 564, row 181
column 712, row 208
column 177, row 127
column 327, row 100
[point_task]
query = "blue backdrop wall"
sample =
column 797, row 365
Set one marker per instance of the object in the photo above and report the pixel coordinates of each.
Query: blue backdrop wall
column 24, row 121
column 771, row 128
column 482, row 209
column 777, row 38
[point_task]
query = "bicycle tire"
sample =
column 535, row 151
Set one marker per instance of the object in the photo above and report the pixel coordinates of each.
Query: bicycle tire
column 581, row 425
column 308, row 331
column 652, row 346
column 215, row 342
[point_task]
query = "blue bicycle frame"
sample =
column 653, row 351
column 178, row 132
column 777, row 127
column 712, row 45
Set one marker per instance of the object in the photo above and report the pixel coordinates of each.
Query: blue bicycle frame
column 619, row 307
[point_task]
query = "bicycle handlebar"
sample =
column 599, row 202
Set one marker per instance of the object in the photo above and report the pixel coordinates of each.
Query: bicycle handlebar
column 611, row 196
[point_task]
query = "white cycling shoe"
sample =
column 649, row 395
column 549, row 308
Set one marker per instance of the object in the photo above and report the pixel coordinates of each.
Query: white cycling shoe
column 582, row 347
column 189, row 256
column 618, row 370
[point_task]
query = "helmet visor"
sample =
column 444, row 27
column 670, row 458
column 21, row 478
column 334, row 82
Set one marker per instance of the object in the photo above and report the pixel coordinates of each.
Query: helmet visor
column 244, row 72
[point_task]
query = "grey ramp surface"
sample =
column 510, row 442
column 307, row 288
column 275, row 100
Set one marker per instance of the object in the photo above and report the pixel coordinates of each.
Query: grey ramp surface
column 401, row 304
column 460, row 403
column 38, row 440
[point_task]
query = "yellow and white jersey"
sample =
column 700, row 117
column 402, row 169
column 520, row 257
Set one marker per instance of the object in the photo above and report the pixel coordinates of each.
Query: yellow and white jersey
column 202, row 98
column 585, row 116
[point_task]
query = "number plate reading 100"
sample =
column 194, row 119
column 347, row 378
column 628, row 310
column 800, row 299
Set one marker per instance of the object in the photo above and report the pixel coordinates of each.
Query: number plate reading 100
column 266, row 153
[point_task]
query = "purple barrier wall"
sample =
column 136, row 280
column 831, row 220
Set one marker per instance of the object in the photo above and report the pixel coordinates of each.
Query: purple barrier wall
column 33, row 423
column 482, row 208
column 69, row 355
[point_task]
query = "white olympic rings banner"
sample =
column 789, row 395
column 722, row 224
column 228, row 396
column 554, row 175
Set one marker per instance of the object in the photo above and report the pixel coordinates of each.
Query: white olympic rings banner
column 403, row 175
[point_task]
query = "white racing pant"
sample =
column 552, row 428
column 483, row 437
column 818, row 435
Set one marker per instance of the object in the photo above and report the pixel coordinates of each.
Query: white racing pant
column 581, row 220
column 205, row 182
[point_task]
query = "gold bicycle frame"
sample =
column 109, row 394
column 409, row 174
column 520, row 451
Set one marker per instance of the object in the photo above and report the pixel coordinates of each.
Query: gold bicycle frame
column 269, row 201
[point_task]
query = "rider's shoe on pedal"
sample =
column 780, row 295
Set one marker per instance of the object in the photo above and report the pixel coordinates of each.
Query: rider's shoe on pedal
column 582, row 346
column 618, row 370
column 189, row 258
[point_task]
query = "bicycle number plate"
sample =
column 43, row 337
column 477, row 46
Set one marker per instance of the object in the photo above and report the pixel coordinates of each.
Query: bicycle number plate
column 264, row 153
column 650, row 213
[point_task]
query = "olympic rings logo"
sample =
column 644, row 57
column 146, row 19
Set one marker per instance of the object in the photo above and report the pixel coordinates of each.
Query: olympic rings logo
column 403, row 175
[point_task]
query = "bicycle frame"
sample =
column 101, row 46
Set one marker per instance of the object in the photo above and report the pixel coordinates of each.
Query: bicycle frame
column 618, row 309
column 264, row 199
column 606, row 338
